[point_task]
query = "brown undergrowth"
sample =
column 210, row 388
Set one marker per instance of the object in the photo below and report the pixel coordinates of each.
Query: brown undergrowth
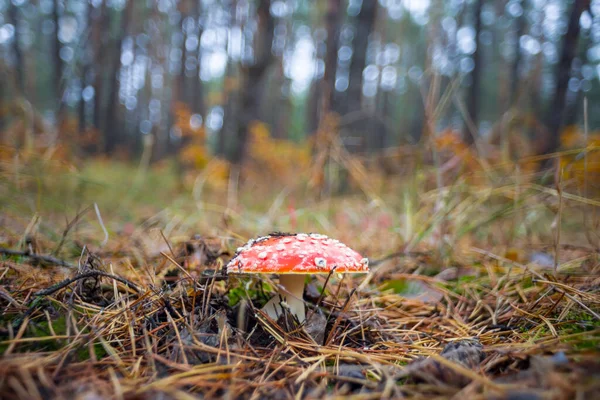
column 461, row 304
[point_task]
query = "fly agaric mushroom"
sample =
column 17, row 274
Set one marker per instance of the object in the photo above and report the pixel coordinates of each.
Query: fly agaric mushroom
column 292, row 256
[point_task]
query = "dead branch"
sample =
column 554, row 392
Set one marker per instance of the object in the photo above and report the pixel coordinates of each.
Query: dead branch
column 37, row 257
column 89, row 274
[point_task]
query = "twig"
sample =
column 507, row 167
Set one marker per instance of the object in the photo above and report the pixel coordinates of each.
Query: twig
column 175, row 263
column 322, row 296
column 37, row 257
column 101, row 225
column 89, row 274
column 570, row 297
column 210, row 274
column 6, row 296
column 558, row 219
column 167, row 243
column 339, row 318
column 70, row 226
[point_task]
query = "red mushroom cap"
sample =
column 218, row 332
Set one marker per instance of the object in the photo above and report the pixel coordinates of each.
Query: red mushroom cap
column 296, row 254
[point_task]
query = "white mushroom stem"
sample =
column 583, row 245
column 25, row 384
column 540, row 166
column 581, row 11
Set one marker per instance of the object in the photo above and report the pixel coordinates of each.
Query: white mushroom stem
column 291, row 290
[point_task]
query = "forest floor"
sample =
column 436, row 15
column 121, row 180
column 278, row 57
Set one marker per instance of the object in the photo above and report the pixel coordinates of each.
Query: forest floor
column 110, row 287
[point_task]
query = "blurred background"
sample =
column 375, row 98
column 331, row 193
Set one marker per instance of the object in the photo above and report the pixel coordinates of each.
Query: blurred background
column 336, row 88
column 392, row 125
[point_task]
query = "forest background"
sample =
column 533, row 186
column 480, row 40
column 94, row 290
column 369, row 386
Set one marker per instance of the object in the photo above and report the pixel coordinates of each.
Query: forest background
column 204, row 79
column 455, row 144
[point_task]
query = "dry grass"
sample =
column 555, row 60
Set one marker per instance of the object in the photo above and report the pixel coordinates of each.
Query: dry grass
column 141, row 316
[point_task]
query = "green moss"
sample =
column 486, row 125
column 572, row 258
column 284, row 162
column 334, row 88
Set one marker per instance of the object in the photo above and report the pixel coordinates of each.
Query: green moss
column 466, row 279
column 83, row 353
column 580, row 322
column 403, row 287
column 527, row 282
column 42, row 327
column 254, row 291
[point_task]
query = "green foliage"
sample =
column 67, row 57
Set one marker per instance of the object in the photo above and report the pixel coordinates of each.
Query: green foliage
column 249, row 288
column 402, row 286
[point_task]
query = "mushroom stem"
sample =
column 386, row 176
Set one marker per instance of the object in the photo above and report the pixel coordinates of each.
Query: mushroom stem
column 291, row 290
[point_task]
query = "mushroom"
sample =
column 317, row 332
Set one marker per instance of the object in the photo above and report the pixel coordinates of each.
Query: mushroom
column 293, row 256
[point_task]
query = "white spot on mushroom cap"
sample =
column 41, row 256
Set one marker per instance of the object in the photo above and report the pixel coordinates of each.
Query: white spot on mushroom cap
column 320, row 262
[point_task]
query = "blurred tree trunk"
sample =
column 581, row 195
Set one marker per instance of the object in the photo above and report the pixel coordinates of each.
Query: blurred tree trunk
column 85, row 59
column 275, row 104
column 99, row 37
column 58, row 64
column 19, row 65
column 179, row 94
column 312, row 106
column 432, row 79
column 197, row 95
column 231, row 107
column 327, row 89
column 18, row 70
column 516, row 64
column 364, row 25
column 536, row 86
column 113, row 126
column 556, row 112
column 322, row 89
column 574, row 101
column 230, row 92
column 252, row 80
column 502, row 82
column 327, row 127
column 380, row 137
column 473, row 96
column 283, row 104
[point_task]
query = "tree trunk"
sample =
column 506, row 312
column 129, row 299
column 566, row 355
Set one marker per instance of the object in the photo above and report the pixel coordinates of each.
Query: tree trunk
column 574, row 102
column 19, row 65
column 253, row 79
column 99, row 33
column 197, row 98
column 556, row 112
column 515, row 76
column 231, row 91
column 332, row 21
column 85, row 70
column 179, row 94
column 473, row 98
column 321, row 92
column 111, row 134
column 433, row 80
column 365, row 23
column 58, row 65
